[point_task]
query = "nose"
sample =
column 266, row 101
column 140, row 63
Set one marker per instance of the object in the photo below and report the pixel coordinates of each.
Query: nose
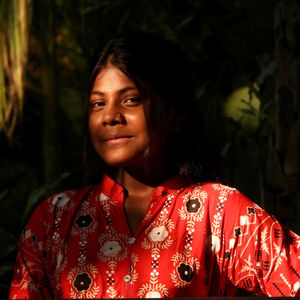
column 113, row 115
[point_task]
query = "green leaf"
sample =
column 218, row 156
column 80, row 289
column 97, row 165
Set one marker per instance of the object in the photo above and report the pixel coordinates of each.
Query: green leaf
column 247, row 111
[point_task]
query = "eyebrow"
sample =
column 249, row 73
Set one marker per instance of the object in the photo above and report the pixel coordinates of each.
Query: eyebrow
column 122, row 91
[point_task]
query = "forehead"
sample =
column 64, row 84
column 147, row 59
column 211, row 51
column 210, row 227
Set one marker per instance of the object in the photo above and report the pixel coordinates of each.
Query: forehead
column 110, row 79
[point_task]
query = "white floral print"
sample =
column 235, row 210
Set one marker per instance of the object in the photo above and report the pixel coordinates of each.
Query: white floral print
column 215, row 243
column 158, row 234
column 244, row 220
column 153, row 294
column 111, row 248
column 60, row 200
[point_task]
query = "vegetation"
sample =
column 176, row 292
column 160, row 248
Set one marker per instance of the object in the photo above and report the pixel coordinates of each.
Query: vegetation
column 245, row 61
column 13, row 55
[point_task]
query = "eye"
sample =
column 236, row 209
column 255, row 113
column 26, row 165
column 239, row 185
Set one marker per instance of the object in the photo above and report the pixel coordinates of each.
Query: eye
column 97, row 104
column 132, row 101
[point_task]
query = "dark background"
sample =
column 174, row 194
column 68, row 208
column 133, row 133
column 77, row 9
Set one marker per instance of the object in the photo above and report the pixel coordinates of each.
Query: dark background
column 246, row 64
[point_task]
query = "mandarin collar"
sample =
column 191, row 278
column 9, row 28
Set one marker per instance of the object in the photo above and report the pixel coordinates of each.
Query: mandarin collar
column 114, row 190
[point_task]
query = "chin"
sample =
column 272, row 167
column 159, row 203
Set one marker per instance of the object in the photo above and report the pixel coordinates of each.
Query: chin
column 123, row 163
column 119, row 159
column 115, row 164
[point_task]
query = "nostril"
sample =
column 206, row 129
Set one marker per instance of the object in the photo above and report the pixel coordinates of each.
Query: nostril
column 114, row 122
column 111, row 123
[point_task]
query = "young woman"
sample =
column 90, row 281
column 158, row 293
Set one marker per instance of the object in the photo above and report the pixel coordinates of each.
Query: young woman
column 152, row 226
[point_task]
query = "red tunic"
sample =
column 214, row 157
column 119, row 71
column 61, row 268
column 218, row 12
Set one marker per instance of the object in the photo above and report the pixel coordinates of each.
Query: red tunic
column 194, row 241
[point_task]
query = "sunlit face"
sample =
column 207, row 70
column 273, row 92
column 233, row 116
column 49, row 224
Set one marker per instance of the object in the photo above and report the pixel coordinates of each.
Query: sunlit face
column 117, row 123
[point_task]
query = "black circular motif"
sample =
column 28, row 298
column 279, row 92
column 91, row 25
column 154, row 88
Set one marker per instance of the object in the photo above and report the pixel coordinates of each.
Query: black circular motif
column 188, row 238
column 186, row 272
column 154, row 263
column 220, row 206
column 82, row 282
column 251, row 210
column 110, row 281
column 84, row 221
column 163, row 194
column 34, row 239
column 237, row 231
column 227, row 254
column 193, row 205
column 167, row 203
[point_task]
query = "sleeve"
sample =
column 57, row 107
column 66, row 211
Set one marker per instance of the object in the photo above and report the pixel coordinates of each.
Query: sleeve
column 263, row 257
column 30, row 278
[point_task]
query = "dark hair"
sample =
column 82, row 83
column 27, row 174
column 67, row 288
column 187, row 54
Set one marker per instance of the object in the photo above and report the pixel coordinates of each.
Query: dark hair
column 155, row 64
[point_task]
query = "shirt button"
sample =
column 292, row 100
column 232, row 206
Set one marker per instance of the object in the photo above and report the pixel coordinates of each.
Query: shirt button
column 131, row 241
column 127, row 278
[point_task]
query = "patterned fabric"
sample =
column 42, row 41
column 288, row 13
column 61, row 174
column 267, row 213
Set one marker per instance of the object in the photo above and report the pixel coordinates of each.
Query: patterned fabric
column 194, row 241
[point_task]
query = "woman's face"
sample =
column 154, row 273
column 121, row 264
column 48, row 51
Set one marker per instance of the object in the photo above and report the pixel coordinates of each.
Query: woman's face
column 118, row 127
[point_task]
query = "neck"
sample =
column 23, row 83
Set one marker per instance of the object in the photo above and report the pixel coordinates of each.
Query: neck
column 142, row 178
column 139, row 183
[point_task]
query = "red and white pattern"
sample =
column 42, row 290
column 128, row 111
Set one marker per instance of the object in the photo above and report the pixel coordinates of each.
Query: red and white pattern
column 195, row 240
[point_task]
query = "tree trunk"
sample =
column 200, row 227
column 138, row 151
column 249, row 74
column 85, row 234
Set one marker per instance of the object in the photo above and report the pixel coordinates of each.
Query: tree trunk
column 51, row 130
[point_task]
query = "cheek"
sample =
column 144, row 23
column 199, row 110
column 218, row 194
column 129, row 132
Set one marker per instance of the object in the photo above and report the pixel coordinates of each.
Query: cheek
column 136, row 122
column 139, row 124
column 93, row 122
column 93, row 128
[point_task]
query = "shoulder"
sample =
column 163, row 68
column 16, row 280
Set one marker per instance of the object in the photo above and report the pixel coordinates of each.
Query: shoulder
column 59, row 205
column 68, row 198
column 219, row 188
column 213, row 191
column 219, row 198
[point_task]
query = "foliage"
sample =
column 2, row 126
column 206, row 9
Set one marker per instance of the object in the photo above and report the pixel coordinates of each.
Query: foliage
column 13, row 56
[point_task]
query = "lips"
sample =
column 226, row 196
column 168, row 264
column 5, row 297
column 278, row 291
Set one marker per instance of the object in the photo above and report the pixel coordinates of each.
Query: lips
column 116, row 138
